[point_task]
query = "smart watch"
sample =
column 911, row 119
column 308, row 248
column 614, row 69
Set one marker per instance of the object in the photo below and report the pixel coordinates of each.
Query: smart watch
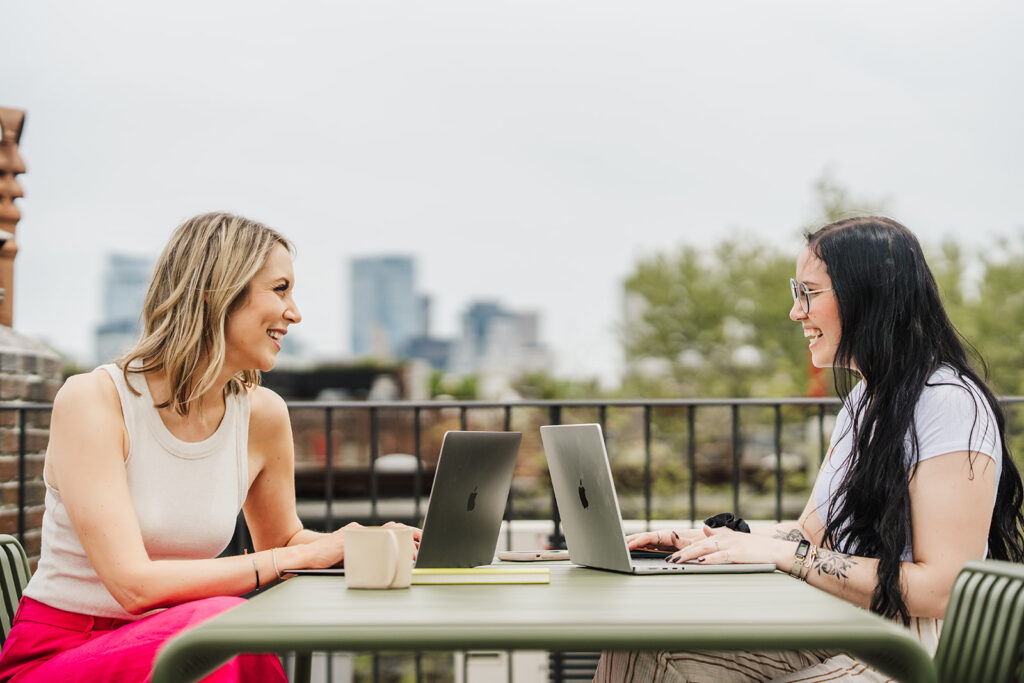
column 801, row 553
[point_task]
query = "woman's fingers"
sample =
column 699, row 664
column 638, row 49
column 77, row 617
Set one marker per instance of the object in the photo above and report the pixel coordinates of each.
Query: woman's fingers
column 416, row 532
column 712, row 550
column 662, row 539
column 647, row 539
column 719, row 557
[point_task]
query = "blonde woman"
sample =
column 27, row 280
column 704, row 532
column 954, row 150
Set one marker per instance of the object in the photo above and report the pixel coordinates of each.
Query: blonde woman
column 150, row 460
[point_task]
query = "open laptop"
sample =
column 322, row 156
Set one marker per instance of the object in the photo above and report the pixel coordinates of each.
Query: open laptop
column 468, row 498
column 467, row 501
column 591, row 519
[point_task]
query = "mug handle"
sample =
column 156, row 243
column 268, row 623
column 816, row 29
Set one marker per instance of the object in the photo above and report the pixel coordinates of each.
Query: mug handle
column 393, row 557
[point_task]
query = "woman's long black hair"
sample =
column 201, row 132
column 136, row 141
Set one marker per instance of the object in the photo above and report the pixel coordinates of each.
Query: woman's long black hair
column 895, row 334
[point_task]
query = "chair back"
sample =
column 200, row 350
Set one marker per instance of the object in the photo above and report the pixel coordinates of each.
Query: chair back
column 14, row 574
column 983, row 632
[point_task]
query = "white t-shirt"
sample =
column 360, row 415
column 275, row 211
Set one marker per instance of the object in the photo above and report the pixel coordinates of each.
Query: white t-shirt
column 952, row 415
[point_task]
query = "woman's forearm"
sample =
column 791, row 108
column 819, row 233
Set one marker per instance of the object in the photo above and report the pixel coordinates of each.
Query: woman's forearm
column 161, row 583
column 786, row 531
column 926, row 587
column 303, row 536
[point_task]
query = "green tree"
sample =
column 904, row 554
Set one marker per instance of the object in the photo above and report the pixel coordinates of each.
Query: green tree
column 714, row 323
column 459, row 388
column 993, row 319
column 543, row 386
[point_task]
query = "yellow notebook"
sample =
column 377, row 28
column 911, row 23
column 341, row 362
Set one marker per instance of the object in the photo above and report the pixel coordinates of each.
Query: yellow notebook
column 482, row 575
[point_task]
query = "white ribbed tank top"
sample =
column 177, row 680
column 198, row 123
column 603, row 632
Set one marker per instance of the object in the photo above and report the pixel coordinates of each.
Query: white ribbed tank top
column 186, row 497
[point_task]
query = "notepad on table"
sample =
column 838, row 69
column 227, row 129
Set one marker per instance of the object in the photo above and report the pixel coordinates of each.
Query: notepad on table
column 481, row 575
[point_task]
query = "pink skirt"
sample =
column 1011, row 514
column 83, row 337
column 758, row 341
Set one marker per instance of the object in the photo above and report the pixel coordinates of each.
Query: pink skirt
column 50, row 644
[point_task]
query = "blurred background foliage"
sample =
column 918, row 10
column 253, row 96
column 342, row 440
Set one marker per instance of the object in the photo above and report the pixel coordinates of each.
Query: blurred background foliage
column 714, row 322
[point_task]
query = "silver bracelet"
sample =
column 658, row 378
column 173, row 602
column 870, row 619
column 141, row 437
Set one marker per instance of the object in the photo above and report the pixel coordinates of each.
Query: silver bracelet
column 273, row 556
column 812, row 557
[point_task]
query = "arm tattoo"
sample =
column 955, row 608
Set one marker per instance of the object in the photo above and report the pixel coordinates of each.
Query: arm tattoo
column 791, row 535
column 834, row 564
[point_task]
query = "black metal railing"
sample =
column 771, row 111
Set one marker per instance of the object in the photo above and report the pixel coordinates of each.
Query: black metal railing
column 807, row 410
column 554, row 410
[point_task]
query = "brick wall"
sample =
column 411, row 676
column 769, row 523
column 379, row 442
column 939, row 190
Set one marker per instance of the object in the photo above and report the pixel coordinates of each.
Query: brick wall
column 29, row 372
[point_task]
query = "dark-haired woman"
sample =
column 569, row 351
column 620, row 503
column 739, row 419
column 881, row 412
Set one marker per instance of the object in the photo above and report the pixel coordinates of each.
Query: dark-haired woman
column 917, row 480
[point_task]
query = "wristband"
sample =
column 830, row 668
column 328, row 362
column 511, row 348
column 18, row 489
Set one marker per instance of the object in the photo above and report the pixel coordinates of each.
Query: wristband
column 798, row 562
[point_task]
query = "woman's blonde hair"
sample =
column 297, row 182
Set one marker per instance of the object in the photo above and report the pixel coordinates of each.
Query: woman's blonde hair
column 202, row 276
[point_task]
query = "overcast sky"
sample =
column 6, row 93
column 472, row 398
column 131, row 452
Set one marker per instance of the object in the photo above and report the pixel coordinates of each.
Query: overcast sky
column 526, row 151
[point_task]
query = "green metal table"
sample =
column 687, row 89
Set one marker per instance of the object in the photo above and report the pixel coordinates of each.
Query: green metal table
column 581, row 609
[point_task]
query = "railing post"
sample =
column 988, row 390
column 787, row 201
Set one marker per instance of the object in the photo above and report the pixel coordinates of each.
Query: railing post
column 508, row 502
column 736, row 459
column 778, row 462
column 691, row 459
column 647, row 467
column 418, row 474
column 557, row 540
column 373, row 466
column 329, row 469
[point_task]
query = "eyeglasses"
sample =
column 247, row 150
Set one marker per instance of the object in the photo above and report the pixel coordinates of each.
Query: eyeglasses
column 803, row 295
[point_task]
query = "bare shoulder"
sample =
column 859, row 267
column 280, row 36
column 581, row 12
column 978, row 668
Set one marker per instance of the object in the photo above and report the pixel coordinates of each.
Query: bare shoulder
column 92, row 393
column 264, row 403
column 87, row 428
column 268, row 413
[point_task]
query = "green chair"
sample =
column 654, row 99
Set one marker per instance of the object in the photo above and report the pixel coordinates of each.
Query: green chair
column 983, row 632
column 14, row 573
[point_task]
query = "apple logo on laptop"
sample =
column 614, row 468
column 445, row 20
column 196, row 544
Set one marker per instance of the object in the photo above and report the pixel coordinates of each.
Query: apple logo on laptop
column 471, row 503
column 583, row 496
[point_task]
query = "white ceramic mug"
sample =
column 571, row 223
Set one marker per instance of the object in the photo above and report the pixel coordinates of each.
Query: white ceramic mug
column 378, row 557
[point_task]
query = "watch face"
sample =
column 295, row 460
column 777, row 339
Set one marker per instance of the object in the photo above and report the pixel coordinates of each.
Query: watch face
column 802, row 547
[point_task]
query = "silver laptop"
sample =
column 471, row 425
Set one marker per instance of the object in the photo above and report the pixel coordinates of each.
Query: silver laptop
column 467, row 501
column 468, row 498
column 592, row 521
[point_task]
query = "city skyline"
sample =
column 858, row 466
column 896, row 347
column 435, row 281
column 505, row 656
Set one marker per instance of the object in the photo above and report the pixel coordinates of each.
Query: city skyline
column 528, row 153
column 391, row 320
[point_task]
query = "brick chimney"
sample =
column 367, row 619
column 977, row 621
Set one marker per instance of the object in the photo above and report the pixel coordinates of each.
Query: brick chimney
column 29, row 370
column 11, row 123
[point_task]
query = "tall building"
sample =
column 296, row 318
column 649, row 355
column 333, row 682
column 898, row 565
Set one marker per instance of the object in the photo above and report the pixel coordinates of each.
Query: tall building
column 434, row 351
column 125, row 280
column 495, row 339
column 386, row 312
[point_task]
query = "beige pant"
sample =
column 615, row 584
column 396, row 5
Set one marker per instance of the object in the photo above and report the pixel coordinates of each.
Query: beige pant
column 706, row 666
